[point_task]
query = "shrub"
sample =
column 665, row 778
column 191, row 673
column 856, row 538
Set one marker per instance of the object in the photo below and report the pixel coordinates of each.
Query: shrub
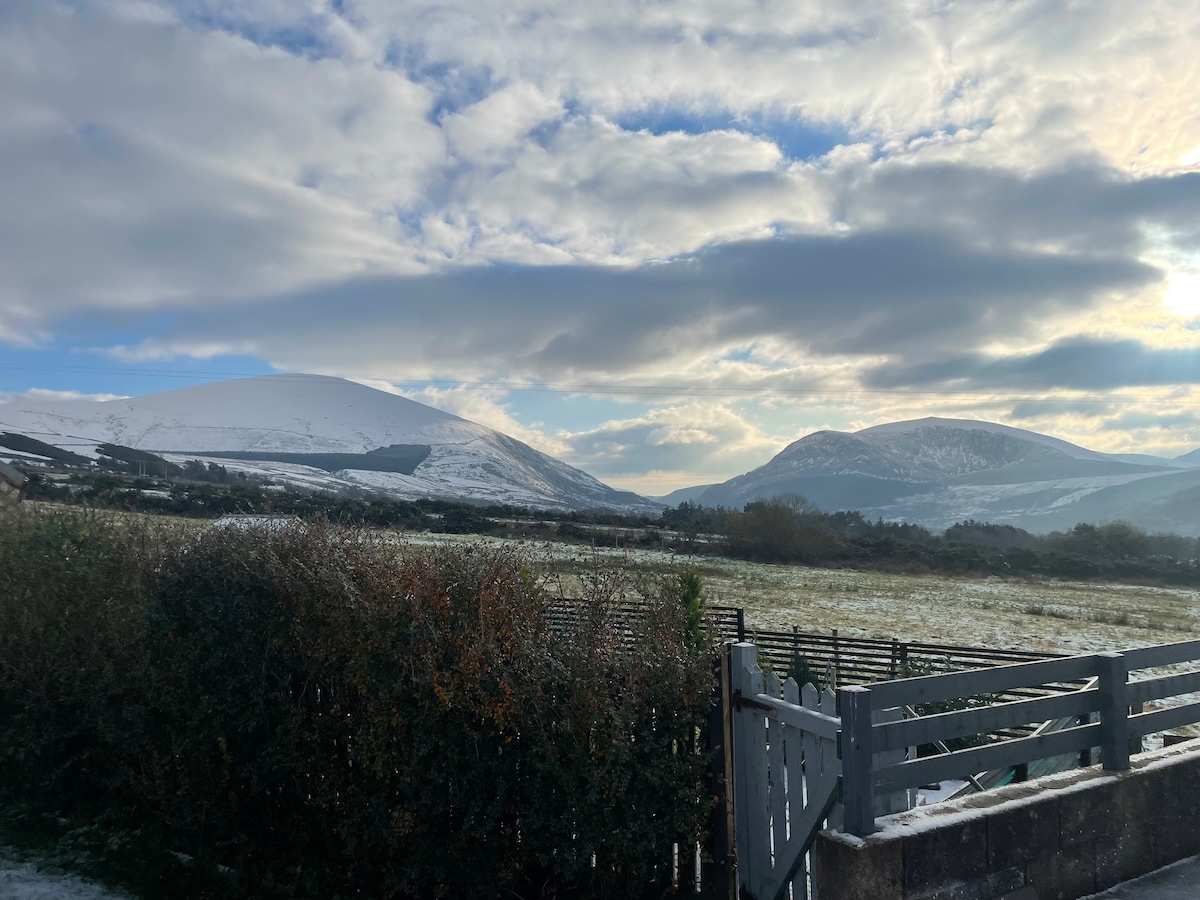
column 330, row 715
column 74, row 590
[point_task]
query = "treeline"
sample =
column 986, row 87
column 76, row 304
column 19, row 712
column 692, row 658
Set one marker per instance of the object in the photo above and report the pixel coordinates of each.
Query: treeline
column 789, row 529
column 209, row 491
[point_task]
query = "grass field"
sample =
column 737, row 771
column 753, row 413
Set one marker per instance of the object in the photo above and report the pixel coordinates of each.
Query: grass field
column 1074, row 617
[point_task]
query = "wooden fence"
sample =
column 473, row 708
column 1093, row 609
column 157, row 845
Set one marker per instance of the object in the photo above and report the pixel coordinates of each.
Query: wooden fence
column 837, row 660
column 727, row 623
column 1109, row 701
column 841, row 660
column 778, row 811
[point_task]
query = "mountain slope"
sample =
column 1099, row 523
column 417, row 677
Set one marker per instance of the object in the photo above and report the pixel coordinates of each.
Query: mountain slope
column 290, row 426
column 940, row 471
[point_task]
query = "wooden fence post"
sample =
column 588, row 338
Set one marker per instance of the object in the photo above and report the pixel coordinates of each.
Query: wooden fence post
column 854, row 706
column 717, row 873
column 837, row 660
column 752, row 814
column 1114, row 711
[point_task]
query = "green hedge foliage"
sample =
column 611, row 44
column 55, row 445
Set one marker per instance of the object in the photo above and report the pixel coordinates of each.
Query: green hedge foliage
column 328, row 714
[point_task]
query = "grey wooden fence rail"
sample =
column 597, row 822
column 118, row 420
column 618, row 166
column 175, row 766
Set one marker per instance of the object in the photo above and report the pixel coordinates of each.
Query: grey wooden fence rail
column 1111, row 699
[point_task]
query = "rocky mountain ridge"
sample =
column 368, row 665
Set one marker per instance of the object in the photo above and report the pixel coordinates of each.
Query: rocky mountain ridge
column 936, row 472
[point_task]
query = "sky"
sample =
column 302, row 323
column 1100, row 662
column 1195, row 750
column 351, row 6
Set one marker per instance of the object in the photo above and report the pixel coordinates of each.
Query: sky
column 659, row 240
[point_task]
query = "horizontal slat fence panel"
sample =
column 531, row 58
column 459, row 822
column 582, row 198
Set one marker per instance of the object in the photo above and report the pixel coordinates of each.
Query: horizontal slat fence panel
column 997, row 680
column 845, row 660
column 726, row 622
column 1164, row 719
column 983, row 720
column 1163, row 655
column 980, row 759
column 1160, row 688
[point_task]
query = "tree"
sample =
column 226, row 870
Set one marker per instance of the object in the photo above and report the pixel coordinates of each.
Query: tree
column 786, row 528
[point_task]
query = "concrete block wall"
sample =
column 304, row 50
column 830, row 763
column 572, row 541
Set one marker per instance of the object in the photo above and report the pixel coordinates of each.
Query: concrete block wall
column 1056, row 838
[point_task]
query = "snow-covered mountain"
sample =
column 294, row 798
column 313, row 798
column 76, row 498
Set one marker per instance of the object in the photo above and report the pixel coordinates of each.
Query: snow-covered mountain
column 939, row 471
column 322, row 432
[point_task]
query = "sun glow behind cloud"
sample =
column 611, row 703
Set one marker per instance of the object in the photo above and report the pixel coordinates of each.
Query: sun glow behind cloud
column 1182, row 296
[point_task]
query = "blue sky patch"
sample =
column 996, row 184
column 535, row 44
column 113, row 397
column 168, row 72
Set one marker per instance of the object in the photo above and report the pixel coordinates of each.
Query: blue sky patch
column 304, row 38
column 62, row 367
column 796, row 139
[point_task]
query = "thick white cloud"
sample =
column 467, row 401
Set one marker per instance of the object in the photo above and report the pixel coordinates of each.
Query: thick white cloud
column 186, row 152
column 148, row 165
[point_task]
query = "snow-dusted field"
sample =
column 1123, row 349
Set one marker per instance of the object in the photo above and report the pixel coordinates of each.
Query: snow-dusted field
column 1068, row 616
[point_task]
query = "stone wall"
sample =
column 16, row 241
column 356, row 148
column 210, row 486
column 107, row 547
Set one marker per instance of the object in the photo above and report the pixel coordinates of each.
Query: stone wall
column 1056, row 838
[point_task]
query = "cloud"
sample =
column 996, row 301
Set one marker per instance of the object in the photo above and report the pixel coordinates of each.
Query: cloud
column 489, row 408
column 1159, row 420
column 258, row 172
column 858, row 294
column 1079, row 209
column 148, row 166
column 701, row 439
column 44, row 394
column 1051, row 409
column 1079, row 363
column 1032, row 84
column 597, row 193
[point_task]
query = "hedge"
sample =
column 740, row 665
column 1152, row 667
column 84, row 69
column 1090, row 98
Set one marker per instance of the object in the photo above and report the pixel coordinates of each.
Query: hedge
column 325, row 713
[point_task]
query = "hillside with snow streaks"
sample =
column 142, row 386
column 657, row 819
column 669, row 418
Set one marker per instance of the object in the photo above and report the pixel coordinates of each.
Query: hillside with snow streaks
column 936, row 472
column 287, row 415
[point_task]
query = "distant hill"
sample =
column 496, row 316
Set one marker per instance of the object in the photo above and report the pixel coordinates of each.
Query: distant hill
column 1189, row 459
column 936, row 472
column 323, row 433
column 682, row 495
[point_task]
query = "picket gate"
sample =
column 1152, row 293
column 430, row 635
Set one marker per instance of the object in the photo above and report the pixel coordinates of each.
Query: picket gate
column 786, row 777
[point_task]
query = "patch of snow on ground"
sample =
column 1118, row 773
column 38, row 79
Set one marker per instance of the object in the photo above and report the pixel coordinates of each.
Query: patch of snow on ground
column 25, row 881
column 927, row 796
